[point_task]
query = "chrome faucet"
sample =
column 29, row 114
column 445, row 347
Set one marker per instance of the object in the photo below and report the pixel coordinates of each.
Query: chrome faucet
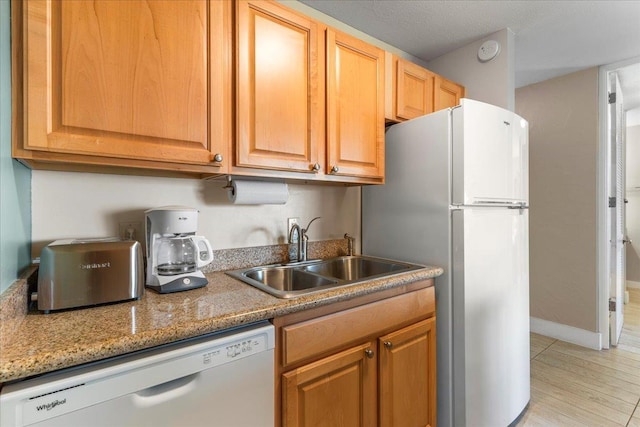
column 302, row 239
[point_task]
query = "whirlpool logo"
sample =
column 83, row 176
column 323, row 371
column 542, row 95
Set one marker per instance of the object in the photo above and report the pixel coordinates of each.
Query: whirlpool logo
column 50, row 406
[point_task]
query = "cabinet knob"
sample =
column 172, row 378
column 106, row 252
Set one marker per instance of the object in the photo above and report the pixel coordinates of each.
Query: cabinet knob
column 315, row 167
column 217, row 157
column 388, row 344
column 334, row 169
column 369, row 353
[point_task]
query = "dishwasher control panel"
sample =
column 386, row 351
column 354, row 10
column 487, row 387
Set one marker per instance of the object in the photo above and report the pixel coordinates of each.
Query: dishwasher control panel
column 235, row 350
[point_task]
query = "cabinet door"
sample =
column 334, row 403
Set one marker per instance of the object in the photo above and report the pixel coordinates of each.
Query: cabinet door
column 339, row 390
column 280, row 108
column 355, row 107
column 128, row 80
column 447, row 93
column 408, row 376
column 414, row 90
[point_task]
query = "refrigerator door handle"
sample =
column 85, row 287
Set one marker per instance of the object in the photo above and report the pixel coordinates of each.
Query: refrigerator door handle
column 497, row 203
column 515, row 205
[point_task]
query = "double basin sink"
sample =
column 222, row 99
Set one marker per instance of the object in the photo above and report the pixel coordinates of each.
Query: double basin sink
column 296, row 279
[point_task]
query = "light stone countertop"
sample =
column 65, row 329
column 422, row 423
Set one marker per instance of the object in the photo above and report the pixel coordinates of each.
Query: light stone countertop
column 38, row 343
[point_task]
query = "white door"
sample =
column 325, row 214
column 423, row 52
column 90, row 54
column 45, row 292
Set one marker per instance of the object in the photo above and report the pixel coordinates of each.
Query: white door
column 490, row 155
column 490, row 315
column 617, row 192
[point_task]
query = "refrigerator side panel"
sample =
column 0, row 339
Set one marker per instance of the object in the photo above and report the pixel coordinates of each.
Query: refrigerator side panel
column 458, row 354
column 491, row 317
column 407, row 219
column 521, row 140
column 409, row 213
column 489, row 156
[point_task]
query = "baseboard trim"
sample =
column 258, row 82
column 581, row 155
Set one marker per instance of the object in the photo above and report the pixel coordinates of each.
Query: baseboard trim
column 632, row 284
column 566, row 333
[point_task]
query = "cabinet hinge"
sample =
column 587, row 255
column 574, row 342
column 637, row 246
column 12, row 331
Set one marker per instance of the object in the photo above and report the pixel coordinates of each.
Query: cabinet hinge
column 612, row 97
column 612, row 202
column 612, row 305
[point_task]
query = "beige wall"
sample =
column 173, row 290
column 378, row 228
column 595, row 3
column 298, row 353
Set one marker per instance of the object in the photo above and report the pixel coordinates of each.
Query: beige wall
column 68, row 204
column 492, row 82
column 633, row 207
column 563, row 118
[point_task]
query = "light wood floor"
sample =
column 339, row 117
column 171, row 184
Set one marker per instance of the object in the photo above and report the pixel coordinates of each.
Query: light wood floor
column 575, row 386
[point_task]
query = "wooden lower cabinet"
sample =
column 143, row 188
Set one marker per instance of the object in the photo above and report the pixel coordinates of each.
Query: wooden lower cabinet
column 407, row 378
column 381, row 376
column 339, row 390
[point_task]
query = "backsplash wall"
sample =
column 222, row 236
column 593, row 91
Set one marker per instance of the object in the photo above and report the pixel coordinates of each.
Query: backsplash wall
column 70, row 204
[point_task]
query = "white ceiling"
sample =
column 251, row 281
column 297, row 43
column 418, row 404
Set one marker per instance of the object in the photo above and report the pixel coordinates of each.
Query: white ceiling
column 552, row 38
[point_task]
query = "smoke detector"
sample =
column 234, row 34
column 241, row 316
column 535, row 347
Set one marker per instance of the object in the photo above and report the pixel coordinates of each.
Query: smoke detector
column 489, row 50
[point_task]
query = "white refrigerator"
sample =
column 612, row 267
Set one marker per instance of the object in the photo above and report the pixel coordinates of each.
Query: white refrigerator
column 456, row 196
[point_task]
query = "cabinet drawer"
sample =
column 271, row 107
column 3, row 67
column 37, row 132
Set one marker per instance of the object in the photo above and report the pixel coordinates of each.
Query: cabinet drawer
column 319, row 336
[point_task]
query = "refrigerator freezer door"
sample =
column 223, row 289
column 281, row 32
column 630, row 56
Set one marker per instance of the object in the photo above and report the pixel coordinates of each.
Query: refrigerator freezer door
column 491, row 315
column 490, row 155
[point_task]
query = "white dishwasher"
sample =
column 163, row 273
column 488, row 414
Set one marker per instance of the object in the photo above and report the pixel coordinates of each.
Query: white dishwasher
column 222, row 379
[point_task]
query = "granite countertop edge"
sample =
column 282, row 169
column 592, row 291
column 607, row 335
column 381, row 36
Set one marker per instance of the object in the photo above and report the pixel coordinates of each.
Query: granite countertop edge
column 254, row 306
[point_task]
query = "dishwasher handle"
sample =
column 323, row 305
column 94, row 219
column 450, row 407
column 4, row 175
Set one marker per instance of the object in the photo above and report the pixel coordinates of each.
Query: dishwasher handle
column 161, row 393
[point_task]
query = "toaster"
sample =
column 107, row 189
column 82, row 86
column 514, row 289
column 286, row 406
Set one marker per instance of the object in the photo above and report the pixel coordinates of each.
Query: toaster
column 79, row 273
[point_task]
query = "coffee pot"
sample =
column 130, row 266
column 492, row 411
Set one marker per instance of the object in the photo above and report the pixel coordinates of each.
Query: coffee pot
column 182, row 254
column 175, row 254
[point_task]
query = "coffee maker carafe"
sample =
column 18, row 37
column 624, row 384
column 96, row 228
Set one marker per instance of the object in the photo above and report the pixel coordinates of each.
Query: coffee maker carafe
column 174, row 253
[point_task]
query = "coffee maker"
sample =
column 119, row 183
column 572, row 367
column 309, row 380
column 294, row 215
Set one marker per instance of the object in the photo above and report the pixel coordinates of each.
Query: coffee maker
column 174, row 253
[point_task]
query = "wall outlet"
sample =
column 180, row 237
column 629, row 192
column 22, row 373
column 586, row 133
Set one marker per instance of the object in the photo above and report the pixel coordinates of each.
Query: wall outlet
column 131, row 230
column 290, row 223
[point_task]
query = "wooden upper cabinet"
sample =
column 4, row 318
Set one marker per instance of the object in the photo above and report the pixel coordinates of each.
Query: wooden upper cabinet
column 128, row 80
column 447, row 93
column 410, row 90
column 339, row 390
column 280, row 113
column 355, row 107
column 408, row 376
column 414, row 90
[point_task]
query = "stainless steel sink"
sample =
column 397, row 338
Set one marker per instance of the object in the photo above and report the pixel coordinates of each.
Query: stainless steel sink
column 288, row 279
column 355, row 268
column 292, row 280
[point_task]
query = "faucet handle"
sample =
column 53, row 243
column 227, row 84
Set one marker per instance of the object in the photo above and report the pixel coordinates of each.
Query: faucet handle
column 350, row 242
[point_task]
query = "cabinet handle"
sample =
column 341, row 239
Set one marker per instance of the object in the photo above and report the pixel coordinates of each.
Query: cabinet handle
column 315, row 167
column 388, row 344
column 369, row 353
column 334, row 169
column 217, row 157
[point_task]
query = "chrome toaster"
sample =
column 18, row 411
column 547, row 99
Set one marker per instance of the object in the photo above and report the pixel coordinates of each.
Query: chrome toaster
column 80, row 273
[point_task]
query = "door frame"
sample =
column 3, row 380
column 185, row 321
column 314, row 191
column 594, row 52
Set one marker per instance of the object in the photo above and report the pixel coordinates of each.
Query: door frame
column 603, row 212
